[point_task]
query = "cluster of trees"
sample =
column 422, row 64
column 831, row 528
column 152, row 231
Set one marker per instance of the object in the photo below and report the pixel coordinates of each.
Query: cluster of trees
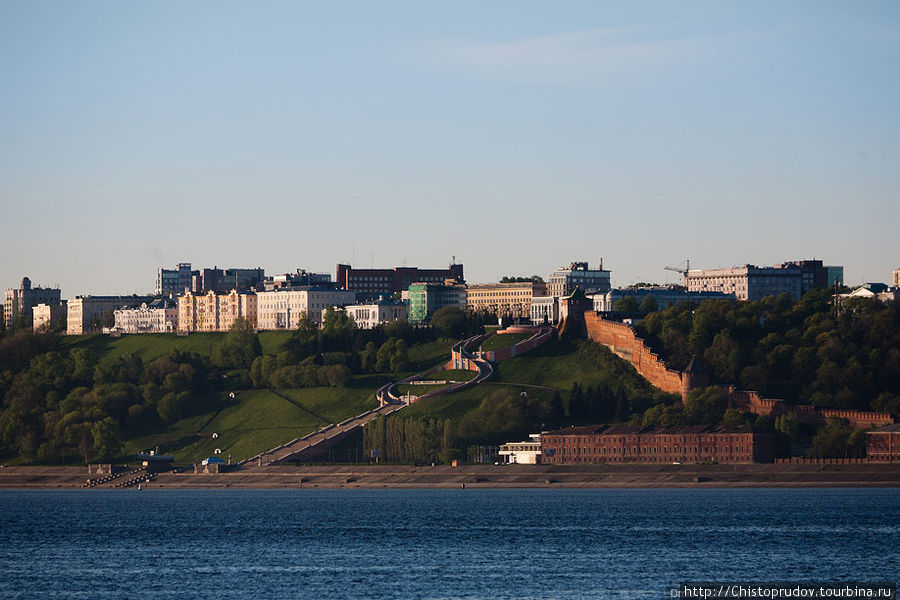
column 409, row 440
column 649, row 304
column 515, row 279
column 809, row 351
column 64, row 401
column 59, row 401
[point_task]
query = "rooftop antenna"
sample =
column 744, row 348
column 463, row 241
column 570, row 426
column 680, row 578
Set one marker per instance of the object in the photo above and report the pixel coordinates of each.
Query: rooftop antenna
column 354, row 254
column 371, row 259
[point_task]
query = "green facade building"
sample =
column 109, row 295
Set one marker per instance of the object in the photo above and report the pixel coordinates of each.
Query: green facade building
column 426, row 298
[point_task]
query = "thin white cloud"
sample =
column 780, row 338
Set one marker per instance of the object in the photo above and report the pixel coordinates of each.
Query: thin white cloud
column 597, row 58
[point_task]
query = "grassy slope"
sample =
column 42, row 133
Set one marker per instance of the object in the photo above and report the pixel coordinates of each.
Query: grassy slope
column 556, row 365
column 497, row 341
column 255, row 420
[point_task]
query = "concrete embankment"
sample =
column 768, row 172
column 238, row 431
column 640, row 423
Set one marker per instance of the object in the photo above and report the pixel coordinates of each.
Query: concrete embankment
column 484, row 476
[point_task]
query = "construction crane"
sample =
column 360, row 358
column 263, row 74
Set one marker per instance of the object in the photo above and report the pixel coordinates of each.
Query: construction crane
column 684, row 271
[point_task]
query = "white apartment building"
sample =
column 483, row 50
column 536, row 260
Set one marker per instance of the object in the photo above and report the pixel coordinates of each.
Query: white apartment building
column 522, row 453
column 283, row 309
column 372, row 314
column 160, row 316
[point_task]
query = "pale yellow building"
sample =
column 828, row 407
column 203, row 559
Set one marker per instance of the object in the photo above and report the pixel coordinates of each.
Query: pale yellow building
column 85, row 314
column 213, row 311
column 504, row 299
column 47, row 315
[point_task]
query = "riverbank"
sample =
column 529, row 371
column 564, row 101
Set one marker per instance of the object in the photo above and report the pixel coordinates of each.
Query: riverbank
column 485, row 476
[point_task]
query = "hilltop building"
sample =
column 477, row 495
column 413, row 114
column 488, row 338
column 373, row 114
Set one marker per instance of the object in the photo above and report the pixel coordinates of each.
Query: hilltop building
column 48, row 315
column 371, row 314
column 301, row 279
column 215, row 311
column 175, row 281
column 872, row 291
column 85, row 314
column 427, row 298
column 754, row 283
column 512, row 300
column 665, row 296
column 375, row 282
column 895, row 278
column 633, row 444
column 284, row 309
column 224, row 280
column 564, row 280
column 159, row 316
column 20, row 301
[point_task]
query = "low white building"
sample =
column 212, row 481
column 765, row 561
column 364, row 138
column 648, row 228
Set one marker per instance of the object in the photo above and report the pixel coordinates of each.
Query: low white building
column 160, row 316
column 522, row 453
column 544, row 310
column 372, row 314
column 283, row 309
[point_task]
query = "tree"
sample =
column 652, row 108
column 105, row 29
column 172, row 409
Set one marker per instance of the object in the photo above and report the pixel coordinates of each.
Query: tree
column 107, row 442
column 649, row 304
column 705, row 406
column 241, row 345
column 838, row 439
column 449, row 322
column 626, row 304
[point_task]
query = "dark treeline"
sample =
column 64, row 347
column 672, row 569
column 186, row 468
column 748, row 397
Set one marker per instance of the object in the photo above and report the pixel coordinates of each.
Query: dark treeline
column 60, row 401
column 810, row 351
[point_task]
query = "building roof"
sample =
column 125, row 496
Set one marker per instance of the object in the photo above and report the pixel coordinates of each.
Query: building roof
column 886, row 429
column 637, row 429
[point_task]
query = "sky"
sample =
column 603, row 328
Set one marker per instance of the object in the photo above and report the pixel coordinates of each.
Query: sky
column 514, row 136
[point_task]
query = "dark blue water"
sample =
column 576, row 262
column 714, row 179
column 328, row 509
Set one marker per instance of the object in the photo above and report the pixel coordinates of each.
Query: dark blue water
column 437, row 543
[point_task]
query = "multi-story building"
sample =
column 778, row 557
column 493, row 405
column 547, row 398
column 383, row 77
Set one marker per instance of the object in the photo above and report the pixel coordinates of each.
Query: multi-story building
column 427, row 298
column 372, row 314
column 159, row 316
column 895, row 278
column 748, row 282
column 284, row 309
column 665, row 296
column 175, row 281
column 883, row 444
column 632, row 444
column 872, row 291
column 504, row 299
column 225, row 280
column 375, row 282
column 214, row 311
column 564, row 280
column 47, row 316
column 20, row 301
column 544, row 310
column 85, row 314
column 754, row 283
column 302, row 278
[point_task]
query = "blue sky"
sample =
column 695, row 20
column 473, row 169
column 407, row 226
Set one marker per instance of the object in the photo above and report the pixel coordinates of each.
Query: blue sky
column 516, row 136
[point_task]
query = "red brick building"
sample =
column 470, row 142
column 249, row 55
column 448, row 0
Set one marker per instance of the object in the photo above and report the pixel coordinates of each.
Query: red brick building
column 883, row 444
column 631, row 444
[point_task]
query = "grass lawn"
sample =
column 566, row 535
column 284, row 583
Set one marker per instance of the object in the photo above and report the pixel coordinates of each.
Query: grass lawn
column 555, row 364
column 497, row 341
column 452, row 375
column 454, row 406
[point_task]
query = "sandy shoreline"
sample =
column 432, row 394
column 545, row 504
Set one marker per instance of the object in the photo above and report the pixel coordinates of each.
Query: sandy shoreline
column 485, row 476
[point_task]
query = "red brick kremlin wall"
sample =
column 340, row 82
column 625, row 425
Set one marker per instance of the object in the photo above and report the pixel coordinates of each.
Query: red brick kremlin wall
column 623, row 342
